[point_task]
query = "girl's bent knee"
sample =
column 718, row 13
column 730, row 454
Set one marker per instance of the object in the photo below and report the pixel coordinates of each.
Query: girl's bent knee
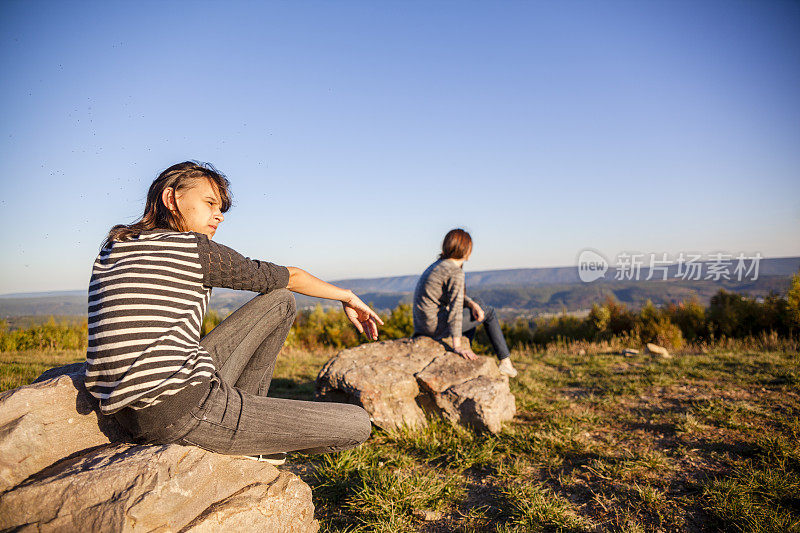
column 286, row 296
column 278, row 299
column 359, row 424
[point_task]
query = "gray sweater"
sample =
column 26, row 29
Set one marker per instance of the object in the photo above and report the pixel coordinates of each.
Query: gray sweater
column 439, row 300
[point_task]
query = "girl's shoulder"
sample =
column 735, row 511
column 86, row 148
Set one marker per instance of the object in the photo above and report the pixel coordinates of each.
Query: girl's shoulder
column 158, row 232
column 443, row 268
column 154, row 237
column 167, row 235
column 446, row 264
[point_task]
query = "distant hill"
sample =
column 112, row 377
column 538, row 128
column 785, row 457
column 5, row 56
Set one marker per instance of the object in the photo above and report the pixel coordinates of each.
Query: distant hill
column 46, row 303
column 527, row 291
column 777, row 266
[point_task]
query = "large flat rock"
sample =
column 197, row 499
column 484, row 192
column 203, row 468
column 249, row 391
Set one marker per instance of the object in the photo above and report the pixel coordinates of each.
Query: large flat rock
column 66, row 467
column 126, row 487
column 47, row 421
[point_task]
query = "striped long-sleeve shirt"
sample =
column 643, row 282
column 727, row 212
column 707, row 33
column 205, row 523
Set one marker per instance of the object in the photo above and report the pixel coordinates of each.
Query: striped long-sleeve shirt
column 147, row 298
column 439, row 300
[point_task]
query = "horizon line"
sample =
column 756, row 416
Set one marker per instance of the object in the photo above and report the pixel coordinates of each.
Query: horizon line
column 18, row 293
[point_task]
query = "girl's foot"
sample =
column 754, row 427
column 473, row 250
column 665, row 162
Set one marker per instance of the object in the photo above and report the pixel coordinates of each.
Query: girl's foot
column 507, row 368
column 276, row 459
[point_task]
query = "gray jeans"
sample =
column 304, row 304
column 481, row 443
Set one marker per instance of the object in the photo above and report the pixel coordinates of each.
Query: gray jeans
column 236, row 417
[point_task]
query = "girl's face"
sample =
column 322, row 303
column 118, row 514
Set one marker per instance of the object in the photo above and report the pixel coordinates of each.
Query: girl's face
column 199, row 204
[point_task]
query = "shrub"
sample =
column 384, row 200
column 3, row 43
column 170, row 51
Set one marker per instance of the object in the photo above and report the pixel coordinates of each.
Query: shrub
column 652, row 325
column 599, row 318
column 47, row 336
column 793, row 304
column 399, row 323
column 690, row 317
column 210, row 321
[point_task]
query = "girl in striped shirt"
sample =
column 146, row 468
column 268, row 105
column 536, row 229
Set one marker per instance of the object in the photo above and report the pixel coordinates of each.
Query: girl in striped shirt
column 146, row 363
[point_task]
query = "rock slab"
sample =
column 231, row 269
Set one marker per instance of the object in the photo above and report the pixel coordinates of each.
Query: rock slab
column 126, row 487
column 399, row 382
column 65, row 467
column 658, row 351
column 47, row 421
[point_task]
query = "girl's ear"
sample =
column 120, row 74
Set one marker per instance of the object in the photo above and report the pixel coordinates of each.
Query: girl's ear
column 168, row 197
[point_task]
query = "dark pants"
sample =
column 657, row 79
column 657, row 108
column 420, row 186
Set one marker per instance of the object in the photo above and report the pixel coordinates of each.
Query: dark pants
column 236, row 417
column 490, row 321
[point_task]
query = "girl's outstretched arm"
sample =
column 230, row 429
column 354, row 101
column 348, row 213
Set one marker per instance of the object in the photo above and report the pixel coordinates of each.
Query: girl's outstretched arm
column 359, row 313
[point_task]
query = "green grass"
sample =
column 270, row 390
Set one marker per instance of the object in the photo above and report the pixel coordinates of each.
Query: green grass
column 700, row 442
column 20, row 368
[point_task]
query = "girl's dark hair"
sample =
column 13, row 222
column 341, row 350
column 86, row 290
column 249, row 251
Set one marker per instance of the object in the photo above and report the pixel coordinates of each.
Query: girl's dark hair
column 156, row 215
column 456, row 244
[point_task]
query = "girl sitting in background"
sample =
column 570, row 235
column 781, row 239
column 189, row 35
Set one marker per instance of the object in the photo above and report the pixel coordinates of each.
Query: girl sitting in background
column 443, row 310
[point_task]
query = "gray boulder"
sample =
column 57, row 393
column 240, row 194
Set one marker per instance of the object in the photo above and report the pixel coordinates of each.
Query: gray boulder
column 399, row 382
column 125, row 487
column 63, row 466
column 47, row 421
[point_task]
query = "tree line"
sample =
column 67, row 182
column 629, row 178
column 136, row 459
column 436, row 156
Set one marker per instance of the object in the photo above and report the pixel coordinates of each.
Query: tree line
column 728, row 315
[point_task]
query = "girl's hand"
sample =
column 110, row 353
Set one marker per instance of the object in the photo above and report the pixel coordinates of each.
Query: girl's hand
column 466, row 353
column 477, row 312
column 361, row 316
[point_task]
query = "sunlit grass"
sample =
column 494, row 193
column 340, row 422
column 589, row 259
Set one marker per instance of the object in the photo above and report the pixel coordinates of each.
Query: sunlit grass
column 20, row 368
column 600, row 442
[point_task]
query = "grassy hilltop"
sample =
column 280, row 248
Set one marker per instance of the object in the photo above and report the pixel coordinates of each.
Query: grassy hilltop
column 707, row 440
column 701, row 442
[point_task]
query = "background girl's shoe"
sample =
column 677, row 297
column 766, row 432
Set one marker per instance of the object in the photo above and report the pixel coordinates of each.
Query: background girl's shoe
column 507, row 368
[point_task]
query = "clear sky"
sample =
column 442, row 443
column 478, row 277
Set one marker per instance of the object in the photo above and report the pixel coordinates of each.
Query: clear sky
column 355, row 134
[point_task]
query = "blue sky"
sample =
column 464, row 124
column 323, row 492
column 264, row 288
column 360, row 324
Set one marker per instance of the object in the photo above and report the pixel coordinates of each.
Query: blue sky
column 355, row 134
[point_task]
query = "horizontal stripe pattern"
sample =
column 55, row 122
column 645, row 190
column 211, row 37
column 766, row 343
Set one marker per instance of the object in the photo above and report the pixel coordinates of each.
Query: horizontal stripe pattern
column 146, row 302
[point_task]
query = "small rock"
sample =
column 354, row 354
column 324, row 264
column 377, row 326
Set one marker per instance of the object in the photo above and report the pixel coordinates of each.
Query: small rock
column 628, row 352
column 654, row 349
column 427, row 515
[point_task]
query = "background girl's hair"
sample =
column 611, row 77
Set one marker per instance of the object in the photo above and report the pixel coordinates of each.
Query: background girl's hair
column 456, row 244
column 156, row 215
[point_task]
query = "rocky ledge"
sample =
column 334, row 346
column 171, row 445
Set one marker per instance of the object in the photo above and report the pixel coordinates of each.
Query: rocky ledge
column 64, row 467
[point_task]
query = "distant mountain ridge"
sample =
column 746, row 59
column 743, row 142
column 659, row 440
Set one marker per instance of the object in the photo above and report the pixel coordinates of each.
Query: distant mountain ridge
column 528, row 290
column 517, row 276
column 774, row 266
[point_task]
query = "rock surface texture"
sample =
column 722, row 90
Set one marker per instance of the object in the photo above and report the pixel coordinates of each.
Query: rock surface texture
column 64, row 467
column 399, row 381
